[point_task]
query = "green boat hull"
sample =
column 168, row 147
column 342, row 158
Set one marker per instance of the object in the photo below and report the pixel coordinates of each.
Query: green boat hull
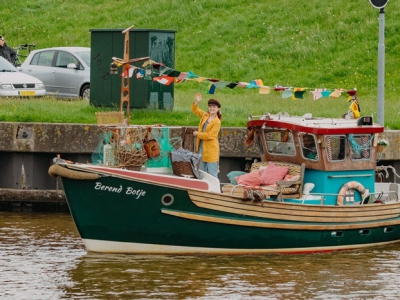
column 115, row 214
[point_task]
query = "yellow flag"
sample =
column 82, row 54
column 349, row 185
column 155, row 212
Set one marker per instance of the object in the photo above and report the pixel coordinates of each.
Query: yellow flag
column 264, row 90
column 354, row 109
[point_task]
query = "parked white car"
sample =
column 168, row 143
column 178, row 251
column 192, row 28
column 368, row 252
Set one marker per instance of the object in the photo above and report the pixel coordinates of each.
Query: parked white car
column 65, row 71
column 16, row 84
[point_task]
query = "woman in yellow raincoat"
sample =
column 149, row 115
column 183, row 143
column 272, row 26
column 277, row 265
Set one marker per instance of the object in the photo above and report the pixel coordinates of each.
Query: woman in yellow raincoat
column 207, row 134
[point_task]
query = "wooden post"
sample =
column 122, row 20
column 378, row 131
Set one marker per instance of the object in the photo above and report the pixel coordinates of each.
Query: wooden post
column 125, row 62
column 125, row 97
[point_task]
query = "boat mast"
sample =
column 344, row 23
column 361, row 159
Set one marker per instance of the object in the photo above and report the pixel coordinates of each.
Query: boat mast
column 125, row 62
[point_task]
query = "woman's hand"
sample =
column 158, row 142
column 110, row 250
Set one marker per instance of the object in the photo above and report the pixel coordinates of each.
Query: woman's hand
column 195, row 133
column 198, row 98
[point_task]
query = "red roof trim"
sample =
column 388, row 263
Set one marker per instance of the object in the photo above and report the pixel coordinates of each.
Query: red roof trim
column 366, row 129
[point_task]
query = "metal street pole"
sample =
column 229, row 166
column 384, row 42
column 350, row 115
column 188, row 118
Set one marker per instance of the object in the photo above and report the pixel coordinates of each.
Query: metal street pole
column 381, row 68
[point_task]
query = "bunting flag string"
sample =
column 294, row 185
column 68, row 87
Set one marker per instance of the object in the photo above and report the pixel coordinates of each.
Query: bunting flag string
column 165, row 75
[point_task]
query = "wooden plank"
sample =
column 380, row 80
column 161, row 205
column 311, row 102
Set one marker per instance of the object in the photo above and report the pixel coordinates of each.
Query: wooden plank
column 302, row 207
column 283, row 226
column 314, row 210
column 290, row 213
column 291, row 217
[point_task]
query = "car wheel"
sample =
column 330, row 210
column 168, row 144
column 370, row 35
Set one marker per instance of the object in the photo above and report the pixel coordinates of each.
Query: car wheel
column 85, row 92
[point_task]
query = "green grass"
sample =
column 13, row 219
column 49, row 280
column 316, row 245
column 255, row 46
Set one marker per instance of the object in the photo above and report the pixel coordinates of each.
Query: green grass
column 313, row 44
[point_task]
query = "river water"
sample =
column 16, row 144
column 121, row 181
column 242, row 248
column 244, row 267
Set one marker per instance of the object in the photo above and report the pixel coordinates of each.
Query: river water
column 42, row 257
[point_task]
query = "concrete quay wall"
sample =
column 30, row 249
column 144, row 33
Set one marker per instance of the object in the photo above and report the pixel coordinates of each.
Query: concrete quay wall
column 83, row 138
column 27, row 151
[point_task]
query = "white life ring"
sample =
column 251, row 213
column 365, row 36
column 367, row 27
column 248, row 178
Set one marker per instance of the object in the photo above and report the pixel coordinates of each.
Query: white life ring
column 349, row 186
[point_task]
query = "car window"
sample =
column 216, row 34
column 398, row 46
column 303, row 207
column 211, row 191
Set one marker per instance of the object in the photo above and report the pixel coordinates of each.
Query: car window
column 5, row 66
column 85, row 56
column 43, row 58
column 65, row 58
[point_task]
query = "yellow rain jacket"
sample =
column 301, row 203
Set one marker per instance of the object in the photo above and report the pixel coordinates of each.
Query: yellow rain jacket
column 209, row 137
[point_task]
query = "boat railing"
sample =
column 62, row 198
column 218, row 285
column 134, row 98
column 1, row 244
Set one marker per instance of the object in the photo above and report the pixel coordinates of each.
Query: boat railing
column 387, row 196
column 384, row 196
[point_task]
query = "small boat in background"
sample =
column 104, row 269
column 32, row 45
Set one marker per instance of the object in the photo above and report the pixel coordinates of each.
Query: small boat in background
column 312, row 190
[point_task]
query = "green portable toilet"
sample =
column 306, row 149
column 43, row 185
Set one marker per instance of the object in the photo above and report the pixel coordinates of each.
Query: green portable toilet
column 105, row 89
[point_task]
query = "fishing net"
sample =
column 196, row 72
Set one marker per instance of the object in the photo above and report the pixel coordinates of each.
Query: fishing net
column 123, row 147
column 166, row 144
column 361, row 145
column 120, row 147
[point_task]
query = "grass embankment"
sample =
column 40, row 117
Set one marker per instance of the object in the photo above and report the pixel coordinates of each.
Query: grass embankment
column 312, row 44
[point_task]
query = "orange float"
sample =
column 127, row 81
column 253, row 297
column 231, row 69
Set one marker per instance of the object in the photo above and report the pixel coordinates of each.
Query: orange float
column 351, row 185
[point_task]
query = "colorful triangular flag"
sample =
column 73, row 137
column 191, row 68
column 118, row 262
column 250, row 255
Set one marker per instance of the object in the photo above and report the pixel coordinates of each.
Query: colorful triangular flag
column 165, row 80
column 221, row 84
column 182, row 75
column 200, row 79
column 191, row 75
column 255, row 84
column 355, row 109
column 232, row 85
column 336, row 93
column 127, row 73
column 298, row 93
column 210, row 89
column 140, row 74
column 279, row 88
column 287, row 93
column 326, row 93
column 317, row 93
column 264, row 90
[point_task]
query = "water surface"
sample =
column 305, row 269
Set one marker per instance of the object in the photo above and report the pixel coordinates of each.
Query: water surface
column 42, row 257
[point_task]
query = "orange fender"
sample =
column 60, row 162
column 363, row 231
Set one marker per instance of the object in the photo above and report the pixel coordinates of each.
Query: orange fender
column 350, row 186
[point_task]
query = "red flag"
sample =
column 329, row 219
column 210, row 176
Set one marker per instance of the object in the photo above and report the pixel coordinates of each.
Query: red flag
column 165, row 80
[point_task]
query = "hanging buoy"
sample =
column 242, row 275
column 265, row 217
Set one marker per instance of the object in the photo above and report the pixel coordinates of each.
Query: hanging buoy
column 350, row 186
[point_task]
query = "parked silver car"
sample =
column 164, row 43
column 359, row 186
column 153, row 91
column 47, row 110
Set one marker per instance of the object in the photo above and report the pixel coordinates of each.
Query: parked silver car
column 16, row 84
column 65, row 71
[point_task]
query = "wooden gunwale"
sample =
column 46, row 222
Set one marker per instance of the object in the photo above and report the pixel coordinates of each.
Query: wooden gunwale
column 292, row 212
column 281, row 226
column 175, row 182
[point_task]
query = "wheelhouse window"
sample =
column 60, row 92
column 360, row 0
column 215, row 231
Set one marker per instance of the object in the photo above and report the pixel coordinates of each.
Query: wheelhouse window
column 279, row 142
column 335, row 147
column 309, row 149
column 360, row 146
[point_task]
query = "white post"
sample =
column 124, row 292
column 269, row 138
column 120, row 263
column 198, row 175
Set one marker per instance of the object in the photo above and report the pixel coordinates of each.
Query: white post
column 381, row 68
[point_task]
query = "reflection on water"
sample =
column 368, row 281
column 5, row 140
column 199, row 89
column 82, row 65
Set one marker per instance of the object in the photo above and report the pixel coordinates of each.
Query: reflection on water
column 42, row 257
column 37, row 251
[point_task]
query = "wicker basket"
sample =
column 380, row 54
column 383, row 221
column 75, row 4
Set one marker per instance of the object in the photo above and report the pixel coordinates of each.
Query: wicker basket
column 131, row 160
column 110, row 118
column 182, row 168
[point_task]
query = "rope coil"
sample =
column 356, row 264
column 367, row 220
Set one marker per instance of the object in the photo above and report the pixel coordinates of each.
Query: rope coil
column 57, row 170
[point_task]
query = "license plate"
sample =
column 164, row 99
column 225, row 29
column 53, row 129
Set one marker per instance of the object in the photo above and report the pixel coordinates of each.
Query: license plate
column 27, row 93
